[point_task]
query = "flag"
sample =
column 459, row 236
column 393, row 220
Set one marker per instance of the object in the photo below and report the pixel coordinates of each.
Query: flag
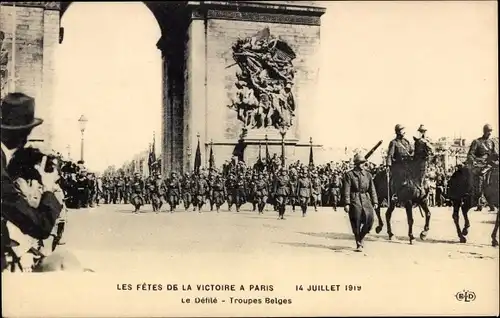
column 197, row 159
column 311, row 156
column 211, row 161
column 260, row 152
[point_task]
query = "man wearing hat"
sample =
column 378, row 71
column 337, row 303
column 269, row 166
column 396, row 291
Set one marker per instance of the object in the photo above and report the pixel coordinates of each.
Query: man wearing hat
column 360, row 199
column 480, row 152
column 17, row 122
column 399, row 156
column 423, row 151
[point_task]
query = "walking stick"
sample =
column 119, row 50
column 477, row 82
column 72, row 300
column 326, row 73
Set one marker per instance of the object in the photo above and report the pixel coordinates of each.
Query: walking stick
column 388, row 188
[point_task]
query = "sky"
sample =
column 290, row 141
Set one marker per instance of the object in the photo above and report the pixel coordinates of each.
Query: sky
column 382, row 63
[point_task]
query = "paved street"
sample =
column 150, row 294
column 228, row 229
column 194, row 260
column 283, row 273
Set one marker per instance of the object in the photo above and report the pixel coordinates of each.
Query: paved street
column 111, row 238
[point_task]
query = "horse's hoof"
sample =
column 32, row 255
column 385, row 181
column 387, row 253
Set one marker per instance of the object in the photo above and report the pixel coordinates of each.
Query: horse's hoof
column 378, row 229
column 390, row 236
column 463, row 239
column 494, row 243
column 412, row 238
column 423, row 235
column 465, row 231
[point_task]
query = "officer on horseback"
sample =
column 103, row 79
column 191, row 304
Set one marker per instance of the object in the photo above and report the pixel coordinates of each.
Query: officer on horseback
column 399, row 156
column 480, row 152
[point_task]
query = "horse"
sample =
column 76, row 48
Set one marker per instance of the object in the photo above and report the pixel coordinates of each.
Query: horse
column 409, row 193
column 463, row 193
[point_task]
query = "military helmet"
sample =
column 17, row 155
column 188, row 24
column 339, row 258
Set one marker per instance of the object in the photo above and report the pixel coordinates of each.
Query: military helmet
column 422, row 128
column 487, row 128
column 359, row 158
column 398, row 128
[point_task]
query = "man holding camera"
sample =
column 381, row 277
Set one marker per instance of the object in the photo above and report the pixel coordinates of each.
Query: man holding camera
column 17, row 122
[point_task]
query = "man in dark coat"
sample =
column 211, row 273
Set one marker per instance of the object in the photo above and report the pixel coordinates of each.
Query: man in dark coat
column 399, row 157
column 360, row 200
column 17, row 122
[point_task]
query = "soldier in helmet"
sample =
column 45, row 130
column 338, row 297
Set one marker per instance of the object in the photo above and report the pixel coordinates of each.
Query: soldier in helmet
column 360, row 200
column 399, row 157
column 173, row 191
column 481, row 152
column 200, row 191
column 281, row 191
column 240, row 193
column 137, row 197
column 304, row 191
column 261, row 190
column 231, row 189
column 218, row 191
column 187, row 190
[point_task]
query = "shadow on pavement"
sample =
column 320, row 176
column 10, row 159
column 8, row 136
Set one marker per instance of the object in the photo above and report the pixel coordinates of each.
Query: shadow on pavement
column 489, row 222
column 340, row 249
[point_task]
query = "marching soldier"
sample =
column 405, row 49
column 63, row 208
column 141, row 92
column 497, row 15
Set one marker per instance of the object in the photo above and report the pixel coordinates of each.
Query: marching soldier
column 304, row 191
column 187, row 191
column 173, row 191
column 120, row 187
column 399, row 156
column 479, row 158
column 128, row 189
column 137, row 197
column 113, row 190
column 317, row 189
column 281, row 192
column 360, row 200
column 261, row 190
column 218, row 192
column 200, row 191
column 240, row 192
column 231, row 190
column 293, row 200
column 335, row 183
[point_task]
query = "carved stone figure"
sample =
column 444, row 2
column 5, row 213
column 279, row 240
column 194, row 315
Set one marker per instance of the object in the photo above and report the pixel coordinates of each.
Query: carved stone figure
column 263, row 95
column 4, row 64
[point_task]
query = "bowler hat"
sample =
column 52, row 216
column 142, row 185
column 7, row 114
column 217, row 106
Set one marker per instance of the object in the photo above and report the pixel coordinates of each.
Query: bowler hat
column 358, row 158
column 422, row 128
column 18, row 112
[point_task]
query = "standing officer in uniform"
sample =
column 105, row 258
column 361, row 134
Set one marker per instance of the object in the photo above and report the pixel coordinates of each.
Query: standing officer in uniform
column 260, row 191
column 200, row 191
column 187, row 190
column 399, row 156
column 360, row 200
column 281, row 192
column 218, row 192
column 480, row 152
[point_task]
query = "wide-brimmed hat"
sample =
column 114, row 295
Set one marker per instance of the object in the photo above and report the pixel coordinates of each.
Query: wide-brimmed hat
column 18, row 112
column 359, row 158
column 422, row 128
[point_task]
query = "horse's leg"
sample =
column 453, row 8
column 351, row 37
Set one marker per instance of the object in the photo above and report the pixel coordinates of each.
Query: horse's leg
column 388, row 215
column 380, row 225
column 427, row 212
column 494, row 241
column 409, row 216
column 456, row 219
column 465, row 209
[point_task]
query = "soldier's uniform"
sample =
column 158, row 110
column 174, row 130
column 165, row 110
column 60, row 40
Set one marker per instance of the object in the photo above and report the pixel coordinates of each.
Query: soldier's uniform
column 200, row 191
column 293, row 199
column 260, row 190
column 187, row 190
column 317, row 188
column 173, row 191
column 335, row 184
column 399, row 158
column 218, row 192
column 360, row 199
column 137, row 197
column 231, row 190
column 113, row 190
column 83, row 191
column 240, row 192
column 281, row 191
column 120, row 187
column 480, row 152
column 304, row 191
column 422, row 153
column 128, row 189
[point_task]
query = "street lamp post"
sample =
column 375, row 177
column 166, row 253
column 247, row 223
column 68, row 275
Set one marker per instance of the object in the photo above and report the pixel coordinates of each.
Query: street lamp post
column 283, row 133
column 83, row 123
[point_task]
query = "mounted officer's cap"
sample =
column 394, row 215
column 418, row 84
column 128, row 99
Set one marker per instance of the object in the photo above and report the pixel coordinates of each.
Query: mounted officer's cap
column 487, row 128
column 359, row 158
column 398, row 128
column 422, row 128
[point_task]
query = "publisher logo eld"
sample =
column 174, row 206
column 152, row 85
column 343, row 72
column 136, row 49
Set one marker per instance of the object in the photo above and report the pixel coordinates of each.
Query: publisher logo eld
column 465, row 296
